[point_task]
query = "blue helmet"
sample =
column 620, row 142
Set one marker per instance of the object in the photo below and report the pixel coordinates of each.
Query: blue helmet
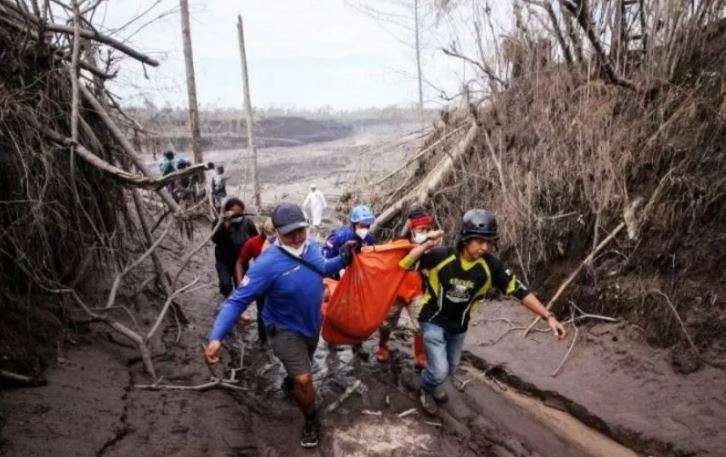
column 362, row 214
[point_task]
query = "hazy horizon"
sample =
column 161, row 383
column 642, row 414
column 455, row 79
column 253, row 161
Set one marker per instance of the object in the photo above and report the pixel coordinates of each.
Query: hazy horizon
column 302, row 54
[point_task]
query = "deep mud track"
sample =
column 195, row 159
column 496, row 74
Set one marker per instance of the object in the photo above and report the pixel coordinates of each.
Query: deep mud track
column 91, row 406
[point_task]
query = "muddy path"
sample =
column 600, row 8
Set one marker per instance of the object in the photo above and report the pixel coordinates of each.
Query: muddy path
column 92, row 407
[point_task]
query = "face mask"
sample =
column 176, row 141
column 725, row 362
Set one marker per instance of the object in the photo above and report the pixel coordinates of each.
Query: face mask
column 361, row 232
column 420, row 237
column 297, row 252
column 237, row 220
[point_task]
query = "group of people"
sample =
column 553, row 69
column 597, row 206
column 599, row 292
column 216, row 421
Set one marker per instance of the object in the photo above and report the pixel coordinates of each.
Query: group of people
column 285, row 281
column 182, row 188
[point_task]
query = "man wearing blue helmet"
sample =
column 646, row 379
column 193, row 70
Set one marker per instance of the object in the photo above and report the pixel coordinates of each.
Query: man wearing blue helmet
column 361, row 219
column 356, row 233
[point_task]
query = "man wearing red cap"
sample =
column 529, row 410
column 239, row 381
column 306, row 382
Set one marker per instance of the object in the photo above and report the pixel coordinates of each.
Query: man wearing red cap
column 417, row 227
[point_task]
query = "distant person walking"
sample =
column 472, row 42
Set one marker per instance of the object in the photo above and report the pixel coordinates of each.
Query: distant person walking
column 316, row 203
column 229, row 239
column 219, row 188
column 166, row 165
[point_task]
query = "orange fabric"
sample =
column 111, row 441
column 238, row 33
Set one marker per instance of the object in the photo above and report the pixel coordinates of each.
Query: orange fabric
column 359, row 303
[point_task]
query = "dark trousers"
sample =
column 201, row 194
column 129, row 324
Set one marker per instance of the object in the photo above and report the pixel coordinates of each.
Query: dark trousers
column 225, row 273
column 260, row 325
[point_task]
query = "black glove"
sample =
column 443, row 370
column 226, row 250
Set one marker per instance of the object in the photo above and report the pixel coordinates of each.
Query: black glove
column 347, row 251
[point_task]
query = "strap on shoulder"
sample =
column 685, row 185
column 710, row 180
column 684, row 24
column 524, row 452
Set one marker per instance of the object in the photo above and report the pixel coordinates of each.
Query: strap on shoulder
column 301, row 261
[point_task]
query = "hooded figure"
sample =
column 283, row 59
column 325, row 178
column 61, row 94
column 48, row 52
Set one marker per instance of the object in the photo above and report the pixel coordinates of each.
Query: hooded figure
column 317, row 204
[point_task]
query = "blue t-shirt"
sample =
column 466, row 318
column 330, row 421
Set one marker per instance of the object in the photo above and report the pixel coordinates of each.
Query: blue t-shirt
column 342, row 236
column 293, row 292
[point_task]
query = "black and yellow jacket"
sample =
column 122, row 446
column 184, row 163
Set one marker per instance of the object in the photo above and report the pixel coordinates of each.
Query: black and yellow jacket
column 453, row 285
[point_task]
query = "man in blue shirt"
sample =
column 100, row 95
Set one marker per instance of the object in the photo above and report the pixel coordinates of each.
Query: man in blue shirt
column 289, row 276
column 361, row 219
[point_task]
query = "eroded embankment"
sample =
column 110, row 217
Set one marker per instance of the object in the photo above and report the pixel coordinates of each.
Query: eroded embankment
column 612, row 381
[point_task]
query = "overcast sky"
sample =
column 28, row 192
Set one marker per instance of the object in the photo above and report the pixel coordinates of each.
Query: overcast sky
column 302, row 53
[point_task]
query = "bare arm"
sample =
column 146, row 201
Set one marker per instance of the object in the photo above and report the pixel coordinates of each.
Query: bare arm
column 239, row 270
column 533, row 304
column 415, row 254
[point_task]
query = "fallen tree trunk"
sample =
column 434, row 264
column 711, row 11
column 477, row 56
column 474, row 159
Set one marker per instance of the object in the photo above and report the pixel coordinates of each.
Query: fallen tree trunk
column 436, row 177
column 119, row 173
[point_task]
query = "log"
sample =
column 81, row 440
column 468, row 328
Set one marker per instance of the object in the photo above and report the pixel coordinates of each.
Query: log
column 417, row 156
column 436, row 177
column 113, row 171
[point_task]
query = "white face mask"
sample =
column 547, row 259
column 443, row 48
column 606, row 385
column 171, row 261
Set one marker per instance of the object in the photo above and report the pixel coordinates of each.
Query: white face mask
column 361, row 232
column 420, row 237
column 297, row 252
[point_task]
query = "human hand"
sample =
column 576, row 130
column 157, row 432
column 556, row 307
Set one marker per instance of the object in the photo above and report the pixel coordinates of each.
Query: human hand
column 435, row 235
column 347, row 250
column 245, row 318
column 557, row 328
column 211, row 352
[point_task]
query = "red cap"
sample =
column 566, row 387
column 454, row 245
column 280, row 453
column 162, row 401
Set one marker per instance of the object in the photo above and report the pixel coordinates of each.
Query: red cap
column 421, row 221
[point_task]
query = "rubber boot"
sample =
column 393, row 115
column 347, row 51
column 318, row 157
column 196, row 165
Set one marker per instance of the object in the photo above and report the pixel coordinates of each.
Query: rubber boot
column 383, row 354
column 419, row 352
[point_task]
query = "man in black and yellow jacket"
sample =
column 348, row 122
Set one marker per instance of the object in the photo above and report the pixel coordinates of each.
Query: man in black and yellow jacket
column 457, row 278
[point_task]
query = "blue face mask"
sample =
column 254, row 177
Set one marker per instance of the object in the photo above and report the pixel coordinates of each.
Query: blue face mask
column 237, row 220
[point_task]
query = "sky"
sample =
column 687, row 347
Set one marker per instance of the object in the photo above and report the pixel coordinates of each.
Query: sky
column 301, row 53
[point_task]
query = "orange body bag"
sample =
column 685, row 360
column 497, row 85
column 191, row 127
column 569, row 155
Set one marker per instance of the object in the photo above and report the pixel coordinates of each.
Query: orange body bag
column 357, row 305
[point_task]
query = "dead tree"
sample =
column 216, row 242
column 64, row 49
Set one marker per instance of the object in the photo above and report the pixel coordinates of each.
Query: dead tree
column 191, row 83
column 581, row 12
column 419, row 76
column 248, row 112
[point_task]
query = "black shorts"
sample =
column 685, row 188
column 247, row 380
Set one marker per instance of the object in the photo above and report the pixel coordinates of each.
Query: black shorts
column 294, row 350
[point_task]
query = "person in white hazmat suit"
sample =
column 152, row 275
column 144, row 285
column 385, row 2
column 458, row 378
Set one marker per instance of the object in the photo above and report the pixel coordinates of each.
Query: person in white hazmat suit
column 315, row 202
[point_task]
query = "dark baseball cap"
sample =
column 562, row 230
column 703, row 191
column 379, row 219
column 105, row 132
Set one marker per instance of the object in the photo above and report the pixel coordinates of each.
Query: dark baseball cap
column 288, row 217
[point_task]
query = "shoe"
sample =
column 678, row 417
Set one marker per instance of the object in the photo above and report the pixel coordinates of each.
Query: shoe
column 428, row 403
column 310, row 433
column 288, row 387
column 440, row 395
column 383, row 354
